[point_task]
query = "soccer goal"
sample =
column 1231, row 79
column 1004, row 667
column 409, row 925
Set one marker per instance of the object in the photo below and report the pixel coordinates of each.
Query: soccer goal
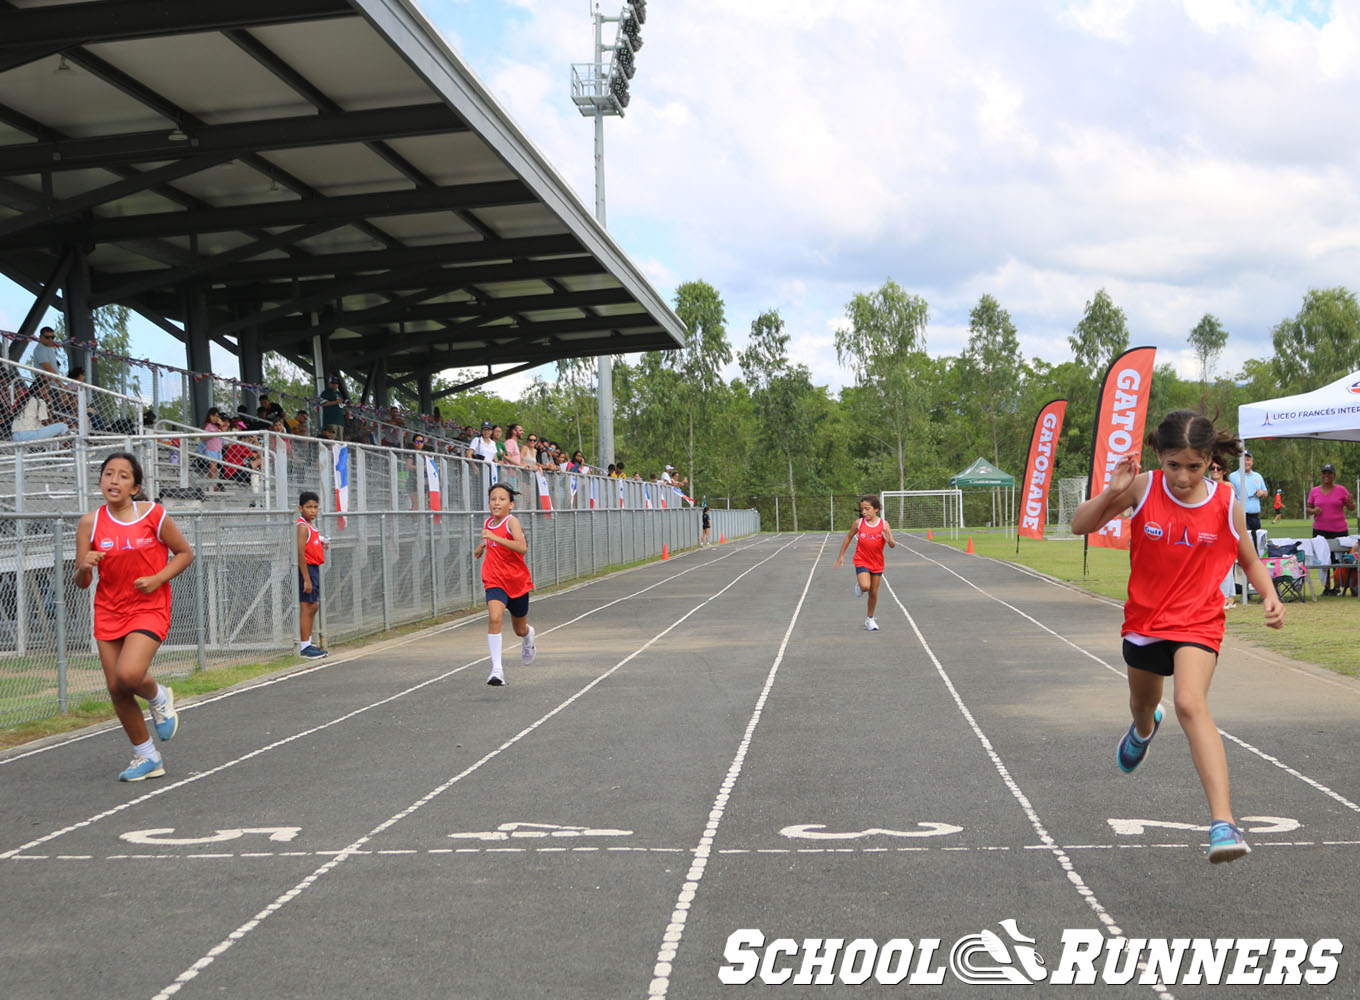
column 1071, row 492
column 922, row 510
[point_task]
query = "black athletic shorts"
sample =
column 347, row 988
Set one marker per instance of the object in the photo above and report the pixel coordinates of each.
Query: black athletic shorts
column 517, row 606
column 1158, row 657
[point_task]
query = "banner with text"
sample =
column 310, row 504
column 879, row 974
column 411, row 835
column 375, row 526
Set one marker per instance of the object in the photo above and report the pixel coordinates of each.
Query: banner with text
column 1043, row 447
column 1119, row 432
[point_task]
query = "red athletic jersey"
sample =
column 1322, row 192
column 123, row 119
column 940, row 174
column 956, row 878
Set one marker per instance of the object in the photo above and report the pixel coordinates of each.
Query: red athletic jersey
column 869, row 545
column 1179, row 556
column 313, row 551
column 131, row 551
column 503, row 568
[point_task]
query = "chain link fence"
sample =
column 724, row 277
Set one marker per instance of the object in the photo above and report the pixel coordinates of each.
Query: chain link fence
column 238, row 603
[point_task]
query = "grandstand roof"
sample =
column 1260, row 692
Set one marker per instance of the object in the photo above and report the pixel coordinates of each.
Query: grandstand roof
column 312, row 166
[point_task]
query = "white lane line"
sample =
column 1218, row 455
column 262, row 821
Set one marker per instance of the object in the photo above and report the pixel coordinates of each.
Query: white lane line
column 1118, row 672
column 199, row 776
column 1058, row 853
column 675, row 930
column 736, row 852
column 384, row 646
column 193, row 971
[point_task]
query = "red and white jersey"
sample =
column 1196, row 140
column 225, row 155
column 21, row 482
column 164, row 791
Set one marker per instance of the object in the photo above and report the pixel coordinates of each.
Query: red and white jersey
column 869, row 545
column 501, row 567
column 314, row 550
column 131, row 550
column 1179, row 555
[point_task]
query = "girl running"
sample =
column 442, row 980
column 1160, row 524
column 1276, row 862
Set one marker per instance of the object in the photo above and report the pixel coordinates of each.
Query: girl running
column 870, row 532
column 1186, row 531
column 505, row 575
column 138, row 551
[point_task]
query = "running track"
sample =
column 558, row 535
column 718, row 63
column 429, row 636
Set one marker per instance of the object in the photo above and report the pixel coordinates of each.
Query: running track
column 704, row 745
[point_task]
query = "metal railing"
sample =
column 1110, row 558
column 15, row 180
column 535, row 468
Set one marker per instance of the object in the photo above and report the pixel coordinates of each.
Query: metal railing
column 238, row 602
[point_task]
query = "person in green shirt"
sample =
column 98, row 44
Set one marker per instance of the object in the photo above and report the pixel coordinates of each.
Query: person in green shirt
column 333, row 408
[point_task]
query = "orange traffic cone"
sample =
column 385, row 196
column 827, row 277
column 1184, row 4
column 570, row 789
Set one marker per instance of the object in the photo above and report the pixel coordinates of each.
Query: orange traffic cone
column 969, row 550
column 665, row 551
column 929, row 534
column 721, row 539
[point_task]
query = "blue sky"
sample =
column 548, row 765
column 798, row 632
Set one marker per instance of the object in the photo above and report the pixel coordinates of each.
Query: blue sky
column 1188, row 156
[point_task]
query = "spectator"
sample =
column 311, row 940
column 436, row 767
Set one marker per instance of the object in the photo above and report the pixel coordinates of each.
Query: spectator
column 413, row 471
column 577, row 463
column 333, row 407
column 611, row 472
column 269, row 409
column 45, row 355
column 666, row 473
column 1327, row 506
column 241, row 457
column 1250, row 494
column 484, row 447
column 212, row 445
column 498, row 435
column 298, row 425
column 394, row 429
column 619, row 470
column 280, row 426
column 513, row 455
column 529, row 452
column 31, row 419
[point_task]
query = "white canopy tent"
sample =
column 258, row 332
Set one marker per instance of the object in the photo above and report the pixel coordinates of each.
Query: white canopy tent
column 1332, row 412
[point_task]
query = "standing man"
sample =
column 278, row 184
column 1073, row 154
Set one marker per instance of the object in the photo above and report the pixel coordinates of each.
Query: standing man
column 45, row 355
column 333, row 408
column 1250, row 488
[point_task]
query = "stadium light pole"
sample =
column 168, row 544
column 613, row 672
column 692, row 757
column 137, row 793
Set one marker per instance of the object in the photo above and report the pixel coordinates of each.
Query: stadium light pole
column 600, row 89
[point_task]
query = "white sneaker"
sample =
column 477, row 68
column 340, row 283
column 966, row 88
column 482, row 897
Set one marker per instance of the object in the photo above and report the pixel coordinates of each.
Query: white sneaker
column 871, row 625
column 526, row 649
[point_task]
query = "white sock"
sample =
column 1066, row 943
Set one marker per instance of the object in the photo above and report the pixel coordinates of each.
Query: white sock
column 527, row 639
column 147, row 750
column 161, row 695
column 304, row 643
column 494, row 642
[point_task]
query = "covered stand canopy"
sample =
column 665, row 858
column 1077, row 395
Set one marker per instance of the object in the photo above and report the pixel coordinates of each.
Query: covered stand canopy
column 1002, row 484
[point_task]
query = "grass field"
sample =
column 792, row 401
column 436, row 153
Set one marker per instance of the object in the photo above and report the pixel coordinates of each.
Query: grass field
column 1323, row 634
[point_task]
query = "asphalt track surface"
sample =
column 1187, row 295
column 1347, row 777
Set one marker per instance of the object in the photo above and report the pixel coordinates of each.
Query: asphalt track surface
column 704, row 745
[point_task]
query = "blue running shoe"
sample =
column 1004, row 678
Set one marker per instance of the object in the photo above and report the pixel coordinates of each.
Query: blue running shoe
column 1226, row 842
column 165, row 717
column 1133, row 748
column 141, row 768
column 314, row 652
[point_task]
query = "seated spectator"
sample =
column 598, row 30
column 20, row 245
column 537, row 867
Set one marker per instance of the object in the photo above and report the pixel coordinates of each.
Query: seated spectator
column 26, row 412
column 240, row 457
column 269, row 409
column 298, row 425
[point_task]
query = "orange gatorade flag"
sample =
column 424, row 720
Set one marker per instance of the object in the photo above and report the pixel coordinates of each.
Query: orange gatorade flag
column 1119, row 432
column 1043, row 447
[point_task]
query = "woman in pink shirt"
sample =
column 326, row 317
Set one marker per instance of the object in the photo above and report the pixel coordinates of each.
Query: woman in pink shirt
column 1327, row 505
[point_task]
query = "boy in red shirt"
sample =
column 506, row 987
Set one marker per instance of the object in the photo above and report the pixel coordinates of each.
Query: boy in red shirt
column 311, row 555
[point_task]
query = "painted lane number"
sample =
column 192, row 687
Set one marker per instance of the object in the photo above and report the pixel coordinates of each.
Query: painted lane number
column 157, row 836
column 818, row 831
column 1260, row 824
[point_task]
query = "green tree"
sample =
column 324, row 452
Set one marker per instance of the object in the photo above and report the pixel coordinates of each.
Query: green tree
column 993, row 358
column 1207, row 338
column 1101, row 336
column 700, row 361
column 1321, row 343
column 884, row 348
column 782, row 394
